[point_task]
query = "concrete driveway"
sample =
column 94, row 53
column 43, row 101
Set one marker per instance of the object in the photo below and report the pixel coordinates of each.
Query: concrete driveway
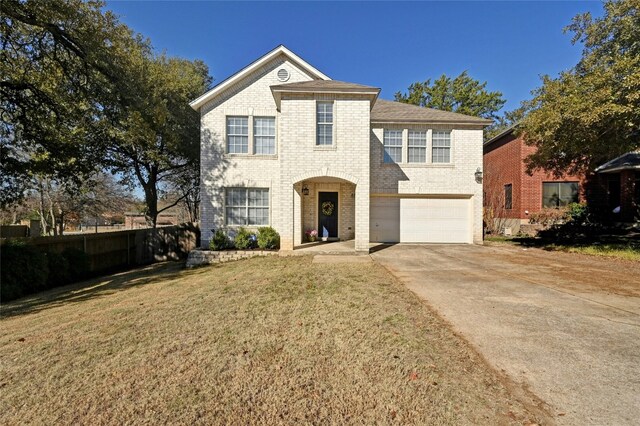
column 562, row 326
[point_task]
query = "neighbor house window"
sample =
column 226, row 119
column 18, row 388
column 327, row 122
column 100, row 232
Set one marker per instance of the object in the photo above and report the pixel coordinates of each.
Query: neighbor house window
column 392, row 146
column 558, row 194
column 508, row 197
column 237, row 135
column 324, row 119
column 417, row 146
column 264, row 135
column 441, row 146
column 247, row 206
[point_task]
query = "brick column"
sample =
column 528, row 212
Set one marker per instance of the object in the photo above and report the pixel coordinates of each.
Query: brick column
column 362, row 217
column 286, row 215
column 297, row 215
column 627, row 188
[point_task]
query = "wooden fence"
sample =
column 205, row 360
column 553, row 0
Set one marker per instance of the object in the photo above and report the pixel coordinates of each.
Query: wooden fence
column 117, row 250
column 13, row 231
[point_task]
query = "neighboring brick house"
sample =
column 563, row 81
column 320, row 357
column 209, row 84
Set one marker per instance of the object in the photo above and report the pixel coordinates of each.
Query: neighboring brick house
column 511, row 193
column 612, row 191
column 619, row 183
column 284, row 145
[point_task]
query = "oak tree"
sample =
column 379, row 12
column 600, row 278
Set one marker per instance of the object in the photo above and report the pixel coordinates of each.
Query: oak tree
column 591, row 113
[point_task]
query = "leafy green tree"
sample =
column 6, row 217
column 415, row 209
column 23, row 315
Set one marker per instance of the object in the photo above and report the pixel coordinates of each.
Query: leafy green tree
column 157, row 140
column 60, row 69
column 80, row 92
column 591, row 113
column 461, row 94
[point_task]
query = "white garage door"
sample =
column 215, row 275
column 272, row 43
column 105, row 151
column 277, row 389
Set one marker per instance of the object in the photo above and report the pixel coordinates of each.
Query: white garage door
column 420, row 220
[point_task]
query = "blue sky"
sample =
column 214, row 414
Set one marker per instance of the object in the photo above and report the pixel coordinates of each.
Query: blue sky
column 388, row 45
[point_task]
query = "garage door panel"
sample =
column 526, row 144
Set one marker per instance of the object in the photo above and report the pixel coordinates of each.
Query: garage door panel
column 384, row 221
column 421, row 220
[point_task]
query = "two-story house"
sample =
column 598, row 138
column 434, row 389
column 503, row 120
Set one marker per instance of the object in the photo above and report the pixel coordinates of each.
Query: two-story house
column 283, row 145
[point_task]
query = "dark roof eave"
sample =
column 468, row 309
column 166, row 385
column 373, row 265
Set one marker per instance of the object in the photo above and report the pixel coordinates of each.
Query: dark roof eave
column 483, row 123
column 617, row 169
column 501, row 135
column 337, row 91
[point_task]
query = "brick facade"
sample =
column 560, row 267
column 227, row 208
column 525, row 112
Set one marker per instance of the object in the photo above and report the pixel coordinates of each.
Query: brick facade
column 504, row 163
column 352, row 166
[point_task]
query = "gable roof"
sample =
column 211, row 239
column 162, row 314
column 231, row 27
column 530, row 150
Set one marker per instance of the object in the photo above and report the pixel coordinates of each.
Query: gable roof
column 628, row 161
column 220, row 87
column 397, row 112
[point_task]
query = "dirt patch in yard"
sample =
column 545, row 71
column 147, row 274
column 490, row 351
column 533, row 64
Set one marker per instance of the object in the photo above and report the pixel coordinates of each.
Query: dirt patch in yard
column 573, row 271
column 266, row 340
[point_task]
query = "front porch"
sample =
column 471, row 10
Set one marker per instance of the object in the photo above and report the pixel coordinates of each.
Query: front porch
column 327, row 206
column 327, row 247
column 334, row 208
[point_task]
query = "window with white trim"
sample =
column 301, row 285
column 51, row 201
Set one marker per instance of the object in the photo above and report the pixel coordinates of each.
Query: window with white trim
column 247, row 206
column 324, row 120
column 264, row 135
column 441, row 146
column 392, row 146
column 238, row 135
column 417, row 146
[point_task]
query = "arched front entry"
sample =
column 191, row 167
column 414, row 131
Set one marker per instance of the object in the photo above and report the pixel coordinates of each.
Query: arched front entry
column 330, row 203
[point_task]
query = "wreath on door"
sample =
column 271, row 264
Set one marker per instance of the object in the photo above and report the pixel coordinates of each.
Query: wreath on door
column 327, row 208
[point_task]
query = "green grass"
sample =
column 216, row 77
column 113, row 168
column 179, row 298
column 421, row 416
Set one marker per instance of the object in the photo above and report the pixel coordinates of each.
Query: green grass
column 626, row 251
column 618, row 251
column 261, row 341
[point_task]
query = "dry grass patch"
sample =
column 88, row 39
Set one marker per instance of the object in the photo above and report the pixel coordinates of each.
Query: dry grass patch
column 267, row 340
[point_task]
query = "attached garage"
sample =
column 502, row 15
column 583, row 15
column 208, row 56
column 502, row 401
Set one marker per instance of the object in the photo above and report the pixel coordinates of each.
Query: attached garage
column 420, row 220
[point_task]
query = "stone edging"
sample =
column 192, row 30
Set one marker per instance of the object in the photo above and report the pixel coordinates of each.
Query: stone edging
column 208, row 257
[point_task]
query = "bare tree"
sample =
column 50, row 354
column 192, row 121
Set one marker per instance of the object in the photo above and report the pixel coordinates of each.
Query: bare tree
column 495, row 214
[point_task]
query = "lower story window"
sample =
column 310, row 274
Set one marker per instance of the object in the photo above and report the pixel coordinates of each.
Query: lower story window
column 558, row 194
column 247, row 206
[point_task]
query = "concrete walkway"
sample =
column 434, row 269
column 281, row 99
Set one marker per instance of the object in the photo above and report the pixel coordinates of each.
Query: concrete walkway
column 563, row 326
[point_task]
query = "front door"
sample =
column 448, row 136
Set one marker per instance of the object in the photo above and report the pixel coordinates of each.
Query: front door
column 328, row 214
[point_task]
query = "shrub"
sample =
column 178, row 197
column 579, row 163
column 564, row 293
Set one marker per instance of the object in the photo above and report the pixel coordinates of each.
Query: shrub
column 219, row 240
column 549, row 217
column 78, row 262
column 244, row 239
column 577, row 212
column 268, row 238
column 58, row 270
column 24, row 270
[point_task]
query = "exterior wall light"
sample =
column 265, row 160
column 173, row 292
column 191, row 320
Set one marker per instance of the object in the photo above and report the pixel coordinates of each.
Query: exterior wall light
column 478, row 175
column 305, row 190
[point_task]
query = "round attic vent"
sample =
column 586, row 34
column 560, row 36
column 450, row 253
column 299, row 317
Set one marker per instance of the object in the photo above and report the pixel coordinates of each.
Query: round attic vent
column 283, row 74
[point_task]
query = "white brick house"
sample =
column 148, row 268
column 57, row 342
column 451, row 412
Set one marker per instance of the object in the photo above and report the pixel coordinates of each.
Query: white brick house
column 280, row 140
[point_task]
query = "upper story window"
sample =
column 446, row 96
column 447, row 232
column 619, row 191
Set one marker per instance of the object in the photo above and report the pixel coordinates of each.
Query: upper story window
column 558, row 194
column 264, row 135
column 324, row 120
column 508, row 196
column 441, row 146
column 392, row 146
column 417, row 152
column 238, row 135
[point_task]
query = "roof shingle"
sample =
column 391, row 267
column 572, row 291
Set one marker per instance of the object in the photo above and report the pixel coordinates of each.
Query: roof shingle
column 390, row 111
column 628, row 161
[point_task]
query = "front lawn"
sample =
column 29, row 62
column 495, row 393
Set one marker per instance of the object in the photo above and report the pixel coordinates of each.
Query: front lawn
column 266, row 340
column 617, row 250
